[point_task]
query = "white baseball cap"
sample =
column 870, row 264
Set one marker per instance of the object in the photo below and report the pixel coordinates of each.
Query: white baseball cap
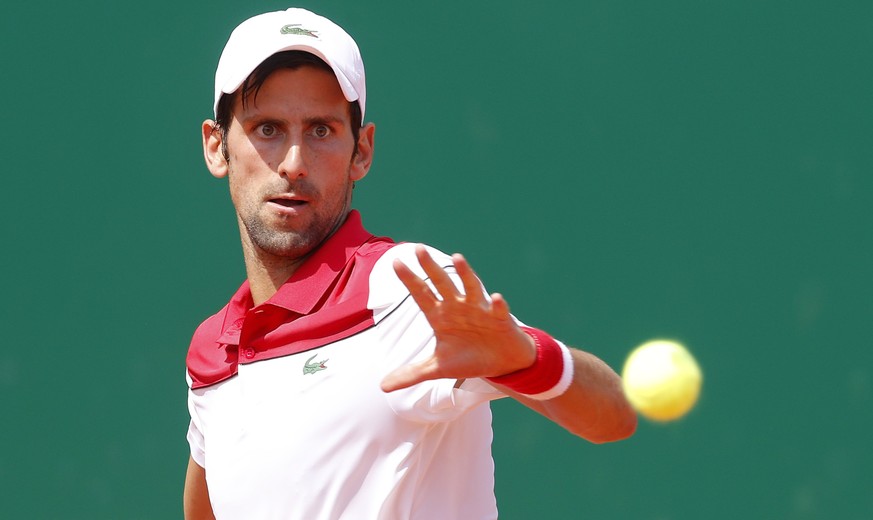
column 261, row 36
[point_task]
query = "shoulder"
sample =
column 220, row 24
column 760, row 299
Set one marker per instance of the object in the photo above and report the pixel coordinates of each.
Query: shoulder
column 405, row 252
column 210, row 328
column 206, row 362
column 386, row 288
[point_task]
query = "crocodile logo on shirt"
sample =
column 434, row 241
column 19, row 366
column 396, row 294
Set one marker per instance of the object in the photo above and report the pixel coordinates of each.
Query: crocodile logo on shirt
column 311, row 368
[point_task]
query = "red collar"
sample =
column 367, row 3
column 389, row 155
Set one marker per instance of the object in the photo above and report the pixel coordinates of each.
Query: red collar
column 325, row 300
column 306, row 287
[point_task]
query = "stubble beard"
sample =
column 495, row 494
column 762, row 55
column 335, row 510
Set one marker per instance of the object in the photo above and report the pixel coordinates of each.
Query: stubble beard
column 295, row 244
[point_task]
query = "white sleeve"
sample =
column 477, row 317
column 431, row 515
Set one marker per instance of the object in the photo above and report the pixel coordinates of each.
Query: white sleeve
column 195, row 435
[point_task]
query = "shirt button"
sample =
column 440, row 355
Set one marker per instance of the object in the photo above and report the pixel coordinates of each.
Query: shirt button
column 249, row 352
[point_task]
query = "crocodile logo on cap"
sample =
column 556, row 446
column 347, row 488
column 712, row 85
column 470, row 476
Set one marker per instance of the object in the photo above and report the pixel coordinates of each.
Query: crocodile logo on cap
column 296, row 29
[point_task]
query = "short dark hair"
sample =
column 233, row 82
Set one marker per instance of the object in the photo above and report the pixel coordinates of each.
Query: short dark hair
column 250, row 87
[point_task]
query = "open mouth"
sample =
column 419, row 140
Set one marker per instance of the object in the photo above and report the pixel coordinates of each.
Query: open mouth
column 288, row 203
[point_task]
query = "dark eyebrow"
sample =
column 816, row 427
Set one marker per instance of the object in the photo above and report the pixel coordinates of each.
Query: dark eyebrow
column 258, row 118
column 308, row 121
column 323, row 120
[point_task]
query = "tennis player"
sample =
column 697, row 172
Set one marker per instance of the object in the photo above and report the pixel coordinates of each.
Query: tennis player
column 349, row 377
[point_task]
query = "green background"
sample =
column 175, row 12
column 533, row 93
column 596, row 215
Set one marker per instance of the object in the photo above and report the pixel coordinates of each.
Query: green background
column 621, row 171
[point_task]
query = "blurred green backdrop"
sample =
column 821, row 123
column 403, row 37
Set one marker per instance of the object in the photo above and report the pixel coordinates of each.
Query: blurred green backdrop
column 619, row 170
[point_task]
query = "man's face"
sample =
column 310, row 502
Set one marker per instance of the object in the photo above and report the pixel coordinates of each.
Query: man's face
column 291, row 165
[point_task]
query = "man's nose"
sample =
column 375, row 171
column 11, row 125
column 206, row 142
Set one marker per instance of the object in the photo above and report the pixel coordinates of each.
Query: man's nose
column 293, row 164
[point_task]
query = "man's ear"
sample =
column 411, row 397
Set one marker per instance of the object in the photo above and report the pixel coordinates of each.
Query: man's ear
column 212, row 149
column 364, row 153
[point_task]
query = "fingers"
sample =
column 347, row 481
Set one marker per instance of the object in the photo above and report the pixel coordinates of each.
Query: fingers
column 472, row 286
column 499, row 306
column 442, row 282
column 417, row 287
column 438, row 276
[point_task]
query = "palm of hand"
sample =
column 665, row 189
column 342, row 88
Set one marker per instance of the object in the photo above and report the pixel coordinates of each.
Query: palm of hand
column 475, row 336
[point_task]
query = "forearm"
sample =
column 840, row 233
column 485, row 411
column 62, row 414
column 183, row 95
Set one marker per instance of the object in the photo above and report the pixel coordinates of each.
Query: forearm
column 594, row 407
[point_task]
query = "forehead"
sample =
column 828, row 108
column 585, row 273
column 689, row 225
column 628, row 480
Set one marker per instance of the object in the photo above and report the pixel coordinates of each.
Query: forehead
column 302, row 89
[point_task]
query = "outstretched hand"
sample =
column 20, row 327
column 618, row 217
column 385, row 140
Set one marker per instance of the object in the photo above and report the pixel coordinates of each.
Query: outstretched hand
column 475, row 336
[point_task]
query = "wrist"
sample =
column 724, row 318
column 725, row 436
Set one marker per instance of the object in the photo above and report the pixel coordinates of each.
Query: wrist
column 550, row 374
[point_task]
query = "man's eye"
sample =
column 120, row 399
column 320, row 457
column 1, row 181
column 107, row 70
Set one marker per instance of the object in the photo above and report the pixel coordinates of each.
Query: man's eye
column 321, row 131
column 267, row 130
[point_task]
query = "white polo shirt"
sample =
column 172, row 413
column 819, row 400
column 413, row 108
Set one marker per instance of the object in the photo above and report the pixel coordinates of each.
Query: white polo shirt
column 287, row 416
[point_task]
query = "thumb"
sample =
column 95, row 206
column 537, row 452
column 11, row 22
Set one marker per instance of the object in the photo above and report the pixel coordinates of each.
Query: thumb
column 409, row 375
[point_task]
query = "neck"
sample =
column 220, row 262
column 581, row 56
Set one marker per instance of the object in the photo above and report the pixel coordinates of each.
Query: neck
column 266, row 273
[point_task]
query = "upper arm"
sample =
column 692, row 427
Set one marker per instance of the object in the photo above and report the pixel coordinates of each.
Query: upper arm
column 195, row 499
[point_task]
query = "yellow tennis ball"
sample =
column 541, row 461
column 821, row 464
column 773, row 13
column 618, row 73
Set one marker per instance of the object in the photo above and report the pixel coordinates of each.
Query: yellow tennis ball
column 661, row 380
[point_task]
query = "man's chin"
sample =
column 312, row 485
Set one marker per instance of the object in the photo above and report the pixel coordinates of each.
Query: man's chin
column 286, row 249
column 277, row 238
